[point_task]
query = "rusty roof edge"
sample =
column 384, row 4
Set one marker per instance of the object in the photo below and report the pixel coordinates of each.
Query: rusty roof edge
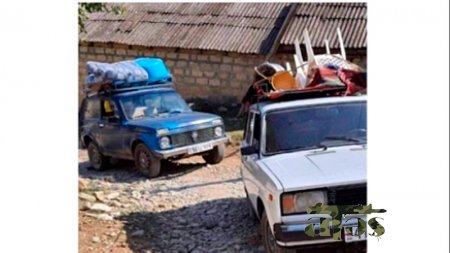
column 119, row 18
column 108, row 44
column 282, row 30
column 205, row 23
column 188, row 24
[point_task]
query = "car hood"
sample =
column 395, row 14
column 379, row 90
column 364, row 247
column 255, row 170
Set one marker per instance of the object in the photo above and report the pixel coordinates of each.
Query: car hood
column 175, row 121
column 314, row 169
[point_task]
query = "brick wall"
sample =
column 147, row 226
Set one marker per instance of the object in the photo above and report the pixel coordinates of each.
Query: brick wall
column 212, row 75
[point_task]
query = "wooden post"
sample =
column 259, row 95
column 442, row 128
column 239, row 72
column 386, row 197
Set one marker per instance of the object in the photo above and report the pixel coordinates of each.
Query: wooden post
column 280, row 34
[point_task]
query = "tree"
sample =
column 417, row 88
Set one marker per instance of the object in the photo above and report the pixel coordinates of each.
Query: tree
column 85, row 8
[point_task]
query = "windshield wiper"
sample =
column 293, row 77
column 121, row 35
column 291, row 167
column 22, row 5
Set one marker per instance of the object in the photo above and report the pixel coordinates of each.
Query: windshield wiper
column 289, row 150
column 175, row 111
column 342, row 138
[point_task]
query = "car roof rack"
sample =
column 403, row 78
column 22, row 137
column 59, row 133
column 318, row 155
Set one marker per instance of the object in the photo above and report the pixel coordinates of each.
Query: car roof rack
column 300, row 94
column 109, row 88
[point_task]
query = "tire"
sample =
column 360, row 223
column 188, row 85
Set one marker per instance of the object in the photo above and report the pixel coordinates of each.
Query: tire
column 96, row 158
column 268, row 240
column 146, row 162
column 216, row 155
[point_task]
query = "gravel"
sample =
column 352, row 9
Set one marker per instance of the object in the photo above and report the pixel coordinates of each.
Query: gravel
column 191, row 207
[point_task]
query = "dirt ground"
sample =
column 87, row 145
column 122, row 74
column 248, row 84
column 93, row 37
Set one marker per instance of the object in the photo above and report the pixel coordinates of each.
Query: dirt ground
column 191, row 207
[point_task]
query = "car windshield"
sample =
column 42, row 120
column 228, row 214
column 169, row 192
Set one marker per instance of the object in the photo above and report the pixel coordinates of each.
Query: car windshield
column 153, row 104
column 315, row 127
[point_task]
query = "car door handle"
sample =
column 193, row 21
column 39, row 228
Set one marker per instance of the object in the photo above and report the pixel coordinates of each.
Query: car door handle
column 101, row 125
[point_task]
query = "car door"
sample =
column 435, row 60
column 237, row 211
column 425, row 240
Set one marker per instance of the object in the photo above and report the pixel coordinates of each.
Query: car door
column 250, row 169
column 110, row 128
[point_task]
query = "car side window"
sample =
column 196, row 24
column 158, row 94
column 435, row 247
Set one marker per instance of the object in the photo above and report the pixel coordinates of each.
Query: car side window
column 92, row 109
column 248, row 135
column 256, row 130
column 108, row 108
column 252, row 131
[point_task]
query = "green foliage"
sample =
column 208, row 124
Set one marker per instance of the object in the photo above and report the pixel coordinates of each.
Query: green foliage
column 85, row 8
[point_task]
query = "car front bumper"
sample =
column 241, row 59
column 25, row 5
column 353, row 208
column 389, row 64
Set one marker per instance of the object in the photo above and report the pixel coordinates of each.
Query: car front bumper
column 293, row 234
column 184, row 150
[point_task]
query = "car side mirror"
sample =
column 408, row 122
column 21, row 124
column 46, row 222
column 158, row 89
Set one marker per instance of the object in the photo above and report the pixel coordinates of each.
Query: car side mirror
column 114, row 119
column 191, row 105
column 249, row 150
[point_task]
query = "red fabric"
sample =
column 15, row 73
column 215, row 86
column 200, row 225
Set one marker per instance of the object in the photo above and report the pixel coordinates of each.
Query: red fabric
column 355, row 80
column 322, row 75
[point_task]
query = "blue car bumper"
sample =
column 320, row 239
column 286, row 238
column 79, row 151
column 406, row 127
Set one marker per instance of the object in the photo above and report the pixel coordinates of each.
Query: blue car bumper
column 187, row 150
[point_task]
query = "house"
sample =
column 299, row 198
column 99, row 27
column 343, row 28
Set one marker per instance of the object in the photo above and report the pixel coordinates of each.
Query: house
column 212, row 48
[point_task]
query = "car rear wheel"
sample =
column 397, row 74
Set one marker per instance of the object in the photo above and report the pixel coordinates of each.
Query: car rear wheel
column 269, row 242
column 96, row 158
column 215, row 155
column 146, row 162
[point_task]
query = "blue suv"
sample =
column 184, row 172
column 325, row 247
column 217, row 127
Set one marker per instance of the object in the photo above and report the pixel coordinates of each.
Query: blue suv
column 147, row 124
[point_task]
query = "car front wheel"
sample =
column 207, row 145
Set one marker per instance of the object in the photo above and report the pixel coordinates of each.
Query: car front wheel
column 269, row 242
column 215, row 155
column 146, row 162
column 96, row 158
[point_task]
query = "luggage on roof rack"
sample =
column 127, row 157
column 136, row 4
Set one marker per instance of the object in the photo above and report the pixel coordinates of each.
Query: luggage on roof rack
column 311, row 92
column 317, row 76
column 155, row 68
column 126, row 74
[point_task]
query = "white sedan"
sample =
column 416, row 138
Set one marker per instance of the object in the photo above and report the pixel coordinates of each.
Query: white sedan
column 299, row 153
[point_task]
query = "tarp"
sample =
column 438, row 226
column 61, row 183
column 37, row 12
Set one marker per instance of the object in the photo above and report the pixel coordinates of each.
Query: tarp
column 155, row 68
column 119, row 73
column 141, row 71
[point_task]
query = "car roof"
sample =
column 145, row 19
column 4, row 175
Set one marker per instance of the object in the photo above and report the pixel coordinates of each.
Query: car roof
column 264, row 107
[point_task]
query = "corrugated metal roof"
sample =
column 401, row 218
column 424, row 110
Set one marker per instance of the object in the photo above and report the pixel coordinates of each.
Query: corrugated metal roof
column 232, row 27
column 322, row 19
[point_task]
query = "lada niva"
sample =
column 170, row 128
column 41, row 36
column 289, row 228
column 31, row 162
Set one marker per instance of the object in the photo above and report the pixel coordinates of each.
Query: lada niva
column 147, row 124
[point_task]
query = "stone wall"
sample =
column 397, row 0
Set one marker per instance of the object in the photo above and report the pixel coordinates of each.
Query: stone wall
column 216, row 76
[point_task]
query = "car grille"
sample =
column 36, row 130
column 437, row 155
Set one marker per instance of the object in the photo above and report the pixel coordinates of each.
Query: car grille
column 187, row 138
column 348, row 195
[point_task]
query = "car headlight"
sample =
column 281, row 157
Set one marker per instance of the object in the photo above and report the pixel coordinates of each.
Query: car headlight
column 298, row 202
column 218, row 131
column 164, row 142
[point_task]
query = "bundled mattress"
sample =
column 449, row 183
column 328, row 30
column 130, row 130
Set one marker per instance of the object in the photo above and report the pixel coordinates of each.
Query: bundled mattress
column 141, row 71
